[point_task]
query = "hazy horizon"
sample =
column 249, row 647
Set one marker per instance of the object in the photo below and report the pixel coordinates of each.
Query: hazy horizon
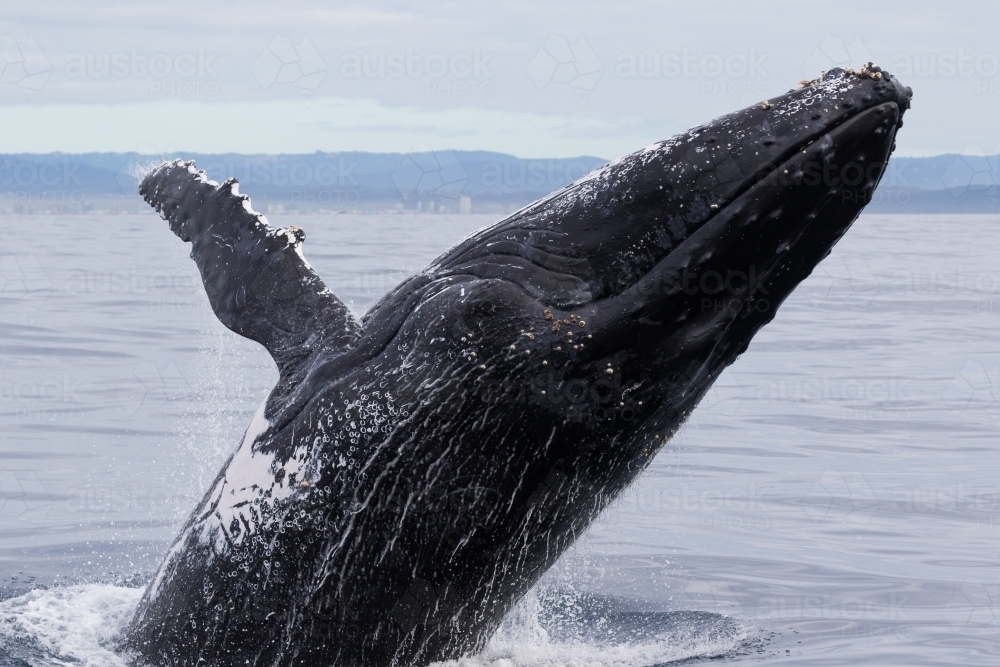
column 533, row 81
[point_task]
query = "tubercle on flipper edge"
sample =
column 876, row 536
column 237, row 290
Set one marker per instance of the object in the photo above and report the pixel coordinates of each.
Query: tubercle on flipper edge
column 155, row 191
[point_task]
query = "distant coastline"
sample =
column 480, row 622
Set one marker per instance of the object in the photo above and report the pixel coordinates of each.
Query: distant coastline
column 460, row 182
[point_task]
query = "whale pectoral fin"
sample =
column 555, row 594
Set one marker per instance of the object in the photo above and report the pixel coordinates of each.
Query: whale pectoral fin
column 257, row 280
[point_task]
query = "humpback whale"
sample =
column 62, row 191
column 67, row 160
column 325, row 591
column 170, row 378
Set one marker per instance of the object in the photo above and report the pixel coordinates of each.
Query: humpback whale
column 416, row 470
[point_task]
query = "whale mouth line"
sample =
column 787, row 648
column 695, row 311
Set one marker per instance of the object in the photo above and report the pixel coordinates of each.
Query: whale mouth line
column 750, row 184
column 564, row 277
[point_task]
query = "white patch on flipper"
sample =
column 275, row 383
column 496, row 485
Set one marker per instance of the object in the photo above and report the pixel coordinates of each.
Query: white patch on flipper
column 258, row 425
column 248, row 493
column 247, row 476
column 244, row 461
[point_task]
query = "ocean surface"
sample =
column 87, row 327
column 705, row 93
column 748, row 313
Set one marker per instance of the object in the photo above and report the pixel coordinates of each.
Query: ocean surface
column 835, row 500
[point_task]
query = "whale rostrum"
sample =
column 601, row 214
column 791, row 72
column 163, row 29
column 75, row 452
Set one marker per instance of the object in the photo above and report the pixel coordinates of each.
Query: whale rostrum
column 415, row 471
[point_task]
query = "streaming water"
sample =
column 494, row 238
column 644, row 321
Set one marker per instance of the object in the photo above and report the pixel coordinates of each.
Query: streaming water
column 833, row 501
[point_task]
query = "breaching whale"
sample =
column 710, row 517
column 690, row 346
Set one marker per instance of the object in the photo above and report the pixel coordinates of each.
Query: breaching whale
column 415, row 471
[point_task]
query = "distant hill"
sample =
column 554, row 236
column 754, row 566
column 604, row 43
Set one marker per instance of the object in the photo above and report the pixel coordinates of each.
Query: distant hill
column 444, row 181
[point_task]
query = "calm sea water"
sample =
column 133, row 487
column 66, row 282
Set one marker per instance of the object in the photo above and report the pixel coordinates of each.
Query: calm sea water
column 835, row 500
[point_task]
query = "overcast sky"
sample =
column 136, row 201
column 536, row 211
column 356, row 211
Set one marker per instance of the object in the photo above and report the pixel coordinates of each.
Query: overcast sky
column 533, row 79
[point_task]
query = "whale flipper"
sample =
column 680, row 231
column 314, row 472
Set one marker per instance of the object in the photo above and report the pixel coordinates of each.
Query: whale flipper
column 257, row 280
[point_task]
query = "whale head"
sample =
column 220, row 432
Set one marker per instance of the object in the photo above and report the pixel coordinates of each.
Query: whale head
column 673, row 257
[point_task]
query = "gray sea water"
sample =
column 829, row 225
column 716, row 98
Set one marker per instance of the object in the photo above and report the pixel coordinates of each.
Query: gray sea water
column 835, row 500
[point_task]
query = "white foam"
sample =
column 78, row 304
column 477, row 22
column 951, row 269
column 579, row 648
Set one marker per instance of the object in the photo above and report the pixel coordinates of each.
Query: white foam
column 67, row 626
column 72, row 626
column 522, row 642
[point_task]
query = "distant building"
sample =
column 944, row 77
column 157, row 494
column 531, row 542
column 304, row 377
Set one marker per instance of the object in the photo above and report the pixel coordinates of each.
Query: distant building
column 465, row 204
